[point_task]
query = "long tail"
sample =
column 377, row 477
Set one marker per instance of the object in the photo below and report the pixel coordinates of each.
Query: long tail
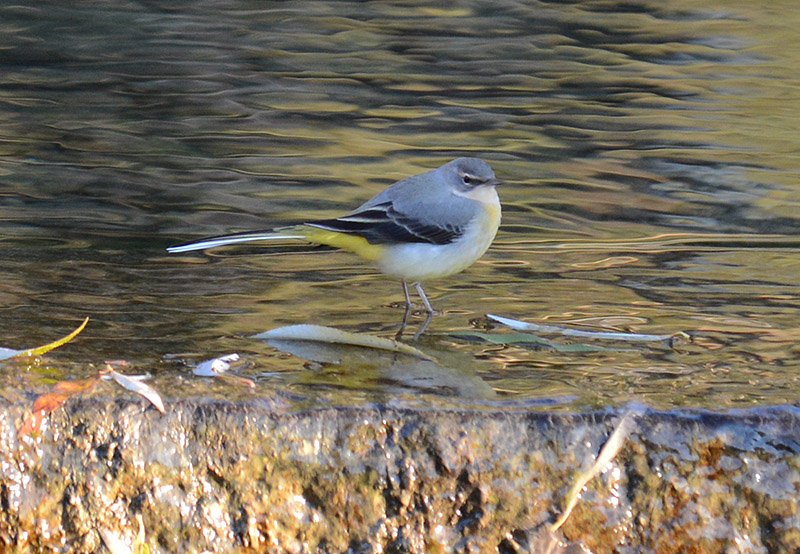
column 234, row 238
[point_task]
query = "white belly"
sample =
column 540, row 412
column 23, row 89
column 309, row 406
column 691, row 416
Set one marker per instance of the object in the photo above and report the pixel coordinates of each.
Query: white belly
column 421, row 262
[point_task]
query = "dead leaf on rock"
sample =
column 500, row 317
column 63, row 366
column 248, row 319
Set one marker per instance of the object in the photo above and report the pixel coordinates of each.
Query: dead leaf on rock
column 50, row 401
column 134, row 383
column 218, row 367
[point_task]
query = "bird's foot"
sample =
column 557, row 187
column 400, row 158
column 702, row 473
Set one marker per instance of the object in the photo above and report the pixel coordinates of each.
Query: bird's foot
column 428, row 310
column 408, row 312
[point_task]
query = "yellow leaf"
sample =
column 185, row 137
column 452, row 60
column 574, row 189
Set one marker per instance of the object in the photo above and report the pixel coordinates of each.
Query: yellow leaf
column 48, row 347
column 320, row 333
column 139, row 546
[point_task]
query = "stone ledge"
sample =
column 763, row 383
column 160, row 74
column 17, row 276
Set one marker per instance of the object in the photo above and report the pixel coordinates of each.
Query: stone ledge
column 224, row 477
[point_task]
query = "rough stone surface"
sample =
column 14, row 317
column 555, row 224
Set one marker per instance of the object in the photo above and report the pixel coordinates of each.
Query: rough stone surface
column 223, row 477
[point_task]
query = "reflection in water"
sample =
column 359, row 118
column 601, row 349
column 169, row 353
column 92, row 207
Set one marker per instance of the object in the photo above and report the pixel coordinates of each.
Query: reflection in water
column 365, row 360
column 649, row 153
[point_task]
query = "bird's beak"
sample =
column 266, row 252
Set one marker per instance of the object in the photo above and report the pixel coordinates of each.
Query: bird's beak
column 493, row 182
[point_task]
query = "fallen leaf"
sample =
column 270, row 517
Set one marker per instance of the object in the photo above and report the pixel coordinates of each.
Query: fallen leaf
column 53, row 399
column 330, row 335
column 584, row 333
column 216, row 366
column 9, row 353
column 134, row 383
column 139, row 546
column 6, row 353
column 526, row 339
column 610, row 449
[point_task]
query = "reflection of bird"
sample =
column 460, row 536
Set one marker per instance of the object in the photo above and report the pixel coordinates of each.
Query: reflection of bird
column 422, row 227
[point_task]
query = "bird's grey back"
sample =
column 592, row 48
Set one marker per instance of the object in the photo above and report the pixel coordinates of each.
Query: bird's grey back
column 429, row 197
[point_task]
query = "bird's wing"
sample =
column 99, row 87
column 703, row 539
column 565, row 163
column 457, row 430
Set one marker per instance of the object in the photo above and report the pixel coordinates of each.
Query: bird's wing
column 382, row 223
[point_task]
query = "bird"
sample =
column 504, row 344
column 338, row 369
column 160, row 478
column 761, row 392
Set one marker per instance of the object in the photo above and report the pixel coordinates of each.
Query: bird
column 426, row 226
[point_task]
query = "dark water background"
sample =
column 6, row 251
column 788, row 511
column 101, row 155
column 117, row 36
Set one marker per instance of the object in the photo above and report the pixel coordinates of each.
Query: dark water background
column 650, row 153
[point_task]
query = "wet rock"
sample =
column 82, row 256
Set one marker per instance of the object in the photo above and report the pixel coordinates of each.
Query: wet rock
column 225, row 477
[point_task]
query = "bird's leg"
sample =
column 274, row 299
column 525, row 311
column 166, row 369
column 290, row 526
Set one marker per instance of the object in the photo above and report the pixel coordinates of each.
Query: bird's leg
column 405, row 293
column 422, row 296
column 425, row 302
column 423, row 326
column 407, row 313
column 428, row 308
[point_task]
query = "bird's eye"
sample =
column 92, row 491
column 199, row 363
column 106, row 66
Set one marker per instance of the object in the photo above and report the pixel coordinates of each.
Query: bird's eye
column 467, row 179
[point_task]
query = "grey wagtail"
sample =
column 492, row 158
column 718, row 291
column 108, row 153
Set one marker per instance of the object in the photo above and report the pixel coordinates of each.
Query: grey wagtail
column 422, row 227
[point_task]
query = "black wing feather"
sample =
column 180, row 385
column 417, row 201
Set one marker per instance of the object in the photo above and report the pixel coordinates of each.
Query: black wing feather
column 382, row 224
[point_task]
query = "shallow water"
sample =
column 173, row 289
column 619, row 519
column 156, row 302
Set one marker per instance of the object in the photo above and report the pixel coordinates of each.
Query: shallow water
column 649, row 150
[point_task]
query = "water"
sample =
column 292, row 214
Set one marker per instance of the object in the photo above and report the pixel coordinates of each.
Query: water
column 649, row 150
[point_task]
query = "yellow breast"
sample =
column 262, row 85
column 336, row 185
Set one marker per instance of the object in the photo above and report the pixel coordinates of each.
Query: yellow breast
column 423, row 261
